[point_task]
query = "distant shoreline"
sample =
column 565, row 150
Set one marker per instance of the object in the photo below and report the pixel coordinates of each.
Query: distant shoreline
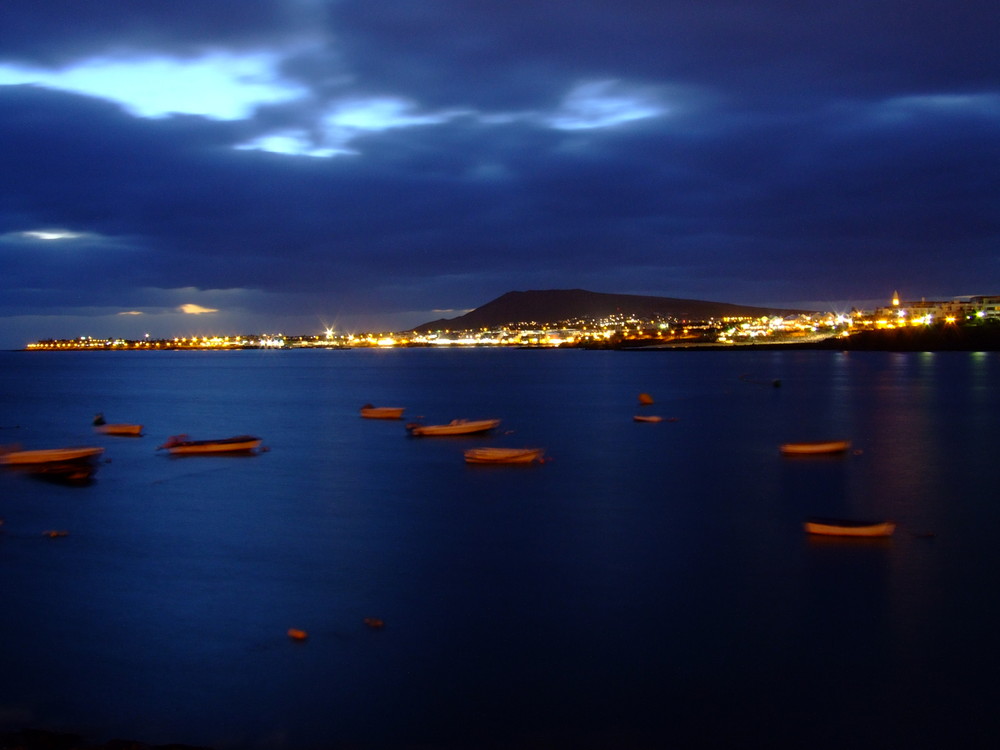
column 937, row 338
column 943, row 338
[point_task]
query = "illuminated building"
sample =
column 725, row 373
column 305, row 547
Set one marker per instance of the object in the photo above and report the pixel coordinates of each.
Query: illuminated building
column 925, row 312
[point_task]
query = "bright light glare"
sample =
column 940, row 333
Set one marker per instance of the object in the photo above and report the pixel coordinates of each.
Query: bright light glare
column 382, row 114
column 345, row 121
column 191, row 309
column 295, row 143
column 219, row 86
column 602, row 104
column 51, row 234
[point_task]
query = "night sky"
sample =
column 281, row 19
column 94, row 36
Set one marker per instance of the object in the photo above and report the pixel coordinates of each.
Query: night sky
column 180, row 167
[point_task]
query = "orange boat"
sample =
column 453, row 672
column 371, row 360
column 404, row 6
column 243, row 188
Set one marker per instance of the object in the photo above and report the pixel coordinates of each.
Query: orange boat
column 49, row 456
column 180, row 445
column 127, row 430
column 503, row 455
column 71, row 465
column 843, row 527
column 121, row 428
column 454, row 427
column 382, row 412
column 817, row 447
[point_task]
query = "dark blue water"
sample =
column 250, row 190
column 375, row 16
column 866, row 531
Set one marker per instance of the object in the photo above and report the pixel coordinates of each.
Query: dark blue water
column 650, row 586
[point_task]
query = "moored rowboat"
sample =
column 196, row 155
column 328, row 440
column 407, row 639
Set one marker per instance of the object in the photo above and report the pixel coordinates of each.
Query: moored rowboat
column 382, row 412
column 842, row 527
column 49, row 456
column 101, row 426
column 454, row 427
column 131, row 430
column 815, row 447
column 180, row 445
column 503, row 455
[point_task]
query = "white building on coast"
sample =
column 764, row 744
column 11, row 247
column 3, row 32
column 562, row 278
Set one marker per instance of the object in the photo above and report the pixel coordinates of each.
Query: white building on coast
column 929, row 311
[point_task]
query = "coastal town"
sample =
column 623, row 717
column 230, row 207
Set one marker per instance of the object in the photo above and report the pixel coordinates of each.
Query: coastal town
column 618, row 330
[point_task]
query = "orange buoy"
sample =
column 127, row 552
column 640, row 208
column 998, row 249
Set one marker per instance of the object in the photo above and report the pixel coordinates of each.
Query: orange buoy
column 645, row 398
column 297, row 635
column 374, row 622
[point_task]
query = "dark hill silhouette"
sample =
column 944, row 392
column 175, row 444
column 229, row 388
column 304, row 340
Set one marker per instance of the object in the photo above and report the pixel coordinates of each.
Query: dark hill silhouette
column 556, row 305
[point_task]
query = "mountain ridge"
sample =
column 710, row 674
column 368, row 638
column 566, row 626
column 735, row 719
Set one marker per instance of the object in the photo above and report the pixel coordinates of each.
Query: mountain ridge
column 549, row 306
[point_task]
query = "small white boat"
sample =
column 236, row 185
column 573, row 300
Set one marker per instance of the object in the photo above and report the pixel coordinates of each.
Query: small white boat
column 454, row 427
column 504, row 455
column 130, row 430
column 815, row 447
column 382, row 412
column 842, row 527
column 180, row 445
column 49, row 456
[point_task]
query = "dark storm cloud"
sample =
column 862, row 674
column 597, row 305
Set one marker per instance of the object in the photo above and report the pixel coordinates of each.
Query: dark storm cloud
column 504, row 54
column 53, row 33
column 761, row 153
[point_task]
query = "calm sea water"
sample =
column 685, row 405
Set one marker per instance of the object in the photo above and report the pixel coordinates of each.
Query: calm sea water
column 649, row 586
